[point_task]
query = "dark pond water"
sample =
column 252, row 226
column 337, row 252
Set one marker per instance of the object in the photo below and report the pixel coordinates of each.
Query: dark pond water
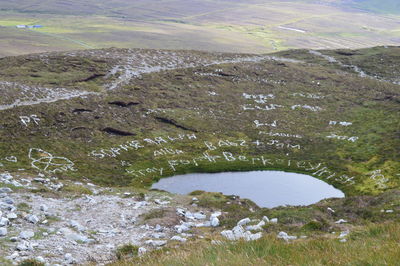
column 266, row 188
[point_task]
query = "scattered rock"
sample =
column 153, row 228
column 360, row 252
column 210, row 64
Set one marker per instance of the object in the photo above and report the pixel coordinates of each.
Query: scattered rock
column 69, row 259
column 4, row 222
column 341, row 221
column 32, row 218
column 244, row 221
column 142, row 251
column 178, row 238
column 5, row 190
column 24, row 246
column 26, row 234
column 11, row 216
column 44, row 207
column 214, row 222
column 274, row 220
column 3, row 231
column 40, row 259
column 285, row 236
column 156, row 243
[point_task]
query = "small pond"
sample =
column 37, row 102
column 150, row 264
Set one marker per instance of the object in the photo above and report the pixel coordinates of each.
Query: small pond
column 266, row 188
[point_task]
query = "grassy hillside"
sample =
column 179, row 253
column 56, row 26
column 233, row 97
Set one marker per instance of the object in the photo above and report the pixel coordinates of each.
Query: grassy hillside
column 130, row 117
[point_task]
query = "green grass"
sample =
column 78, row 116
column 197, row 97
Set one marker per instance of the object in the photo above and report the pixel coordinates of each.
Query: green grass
column 369, row 245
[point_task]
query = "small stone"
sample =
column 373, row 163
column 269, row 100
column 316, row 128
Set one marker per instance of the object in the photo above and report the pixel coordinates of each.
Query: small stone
column 76, row 225
column 286, row 237
column 331, row 210
column 389, row 211
column 199, row 216
column 24, row 246
column 265, row 219
column 44, row 208
column 13, row 239
column 158, row 228
column 156, row 243
column 341, row 221
column 5, row 190
column 228, row 234
column 32, row 218
column 11, row 216
column 215, row 214
column 4, row 222
column 142, row 251
column 3, row 231
column 14, row 255
column 244, row 221
column 40, row 259
column 26, row 234
column 178, row 238
column 8, row 201
column 274, row 220
column 343, row 240
column 69, row 259
column 214, row 222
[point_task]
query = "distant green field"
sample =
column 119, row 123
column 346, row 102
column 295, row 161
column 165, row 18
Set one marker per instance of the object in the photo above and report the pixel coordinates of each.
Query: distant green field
column 386, row 6
column 257, row 26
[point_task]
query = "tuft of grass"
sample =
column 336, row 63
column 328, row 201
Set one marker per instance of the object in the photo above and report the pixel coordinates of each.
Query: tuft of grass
column 127, row 251
column 30, row 262
column 77, row 189
column 154, row 214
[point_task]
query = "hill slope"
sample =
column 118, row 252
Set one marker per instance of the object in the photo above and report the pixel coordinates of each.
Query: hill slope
column 133, row 116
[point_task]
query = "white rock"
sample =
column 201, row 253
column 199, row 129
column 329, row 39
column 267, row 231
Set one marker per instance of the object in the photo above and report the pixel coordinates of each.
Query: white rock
column 244, row 221
column 142, row 251
column 343, row 240
column 8, row 201
column 14, row 255
column 12, row 216
column 183, row 227
column 344, row 234
column 215, row 214
column 286, row 237
column 274, row 220
column 32, row 218
column 5, row 190
column 180, row 211
column 331, row 210
column 3, row 231
column 228, row 234
column 158, row 235
column 24, row 246
column 69, row 259
column 199, row 216
column 205, row 224
column 389, row 211
column 44, row 207
column 76, row 225
column 214, row 222
column 178, row 238
column 156, row 243
column 40, row 259
column 265, row 219
column 251, row 237
column 26, row 234
column 341, row 221
column 158, row 228
column 4, row 222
